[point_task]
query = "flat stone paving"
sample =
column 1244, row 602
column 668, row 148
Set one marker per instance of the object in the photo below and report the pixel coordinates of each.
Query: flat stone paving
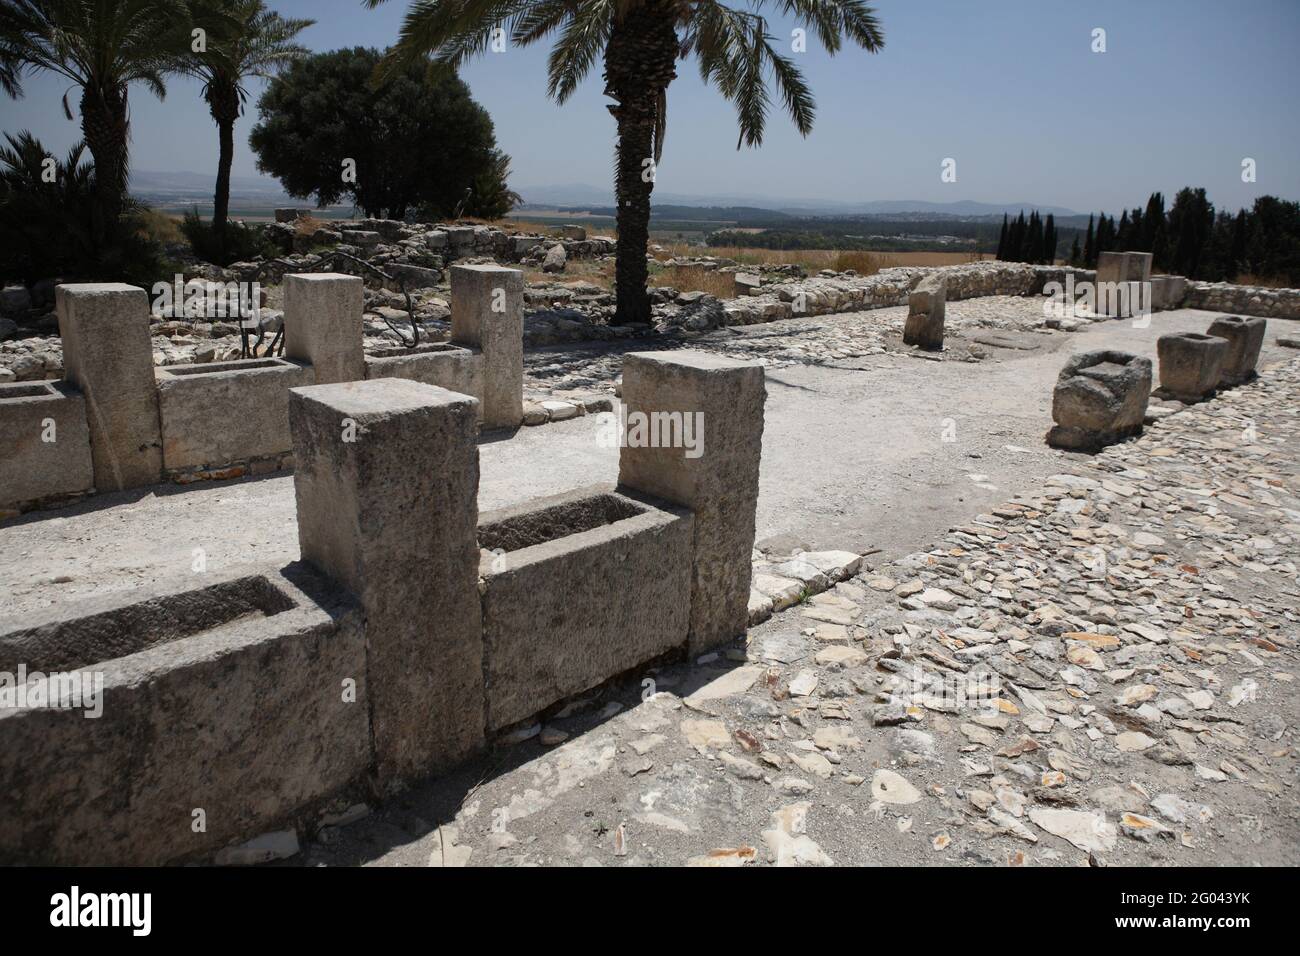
column 1135, row 619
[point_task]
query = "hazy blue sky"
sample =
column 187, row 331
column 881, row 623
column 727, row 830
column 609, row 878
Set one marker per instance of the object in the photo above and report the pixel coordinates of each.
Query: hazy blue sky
column 1008, row 88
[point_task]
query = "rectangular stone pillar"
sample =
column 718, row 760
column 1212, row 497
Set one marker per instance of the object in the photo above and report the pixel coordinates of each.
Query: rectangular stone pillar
column 107, row 353
column 487, row 312
column 386, row 481
column 322, row 324
column 694, row 435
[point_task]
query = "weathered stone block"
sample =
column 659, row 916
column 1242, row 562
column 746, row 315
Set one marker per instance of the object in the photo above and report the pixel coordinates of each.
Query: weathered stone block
column 1122, row 288
column 322, row 325
column 925, row 313
column 1245, row 338
column 46, row 442
column 227, row 699
column 225, row 412
column 694, row 437
column 1100, row 398
column 487, row 312
column 1190, row 364
column 108, row 355
column 579, row 588
column 747, row 283
column 1168, row 292
column 386, row 482
column 574, row 232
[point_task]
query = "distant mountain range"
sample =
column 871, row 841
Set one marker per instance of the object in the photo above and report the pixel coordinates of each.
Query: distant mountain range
column 183, row 186
column 578, row 194
column 148, row 183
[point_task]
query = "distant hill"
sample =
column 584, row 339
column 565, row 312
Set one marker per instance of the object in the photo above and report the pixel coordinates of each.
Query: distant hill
column 178, row 185
column 591, row 197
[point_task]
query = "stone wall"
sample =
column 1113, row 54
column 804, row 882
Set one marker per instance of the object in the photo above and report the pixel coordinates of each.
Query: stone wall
column 825, row 295
column 1243, row 300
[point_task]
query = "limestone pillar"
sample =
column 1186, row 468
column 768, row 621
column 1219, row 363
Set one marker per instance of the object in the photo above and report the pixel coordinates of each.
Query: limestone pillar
column 694, row 435
column 386, row 481
column 487, row 313
column 107, row 353
column 322, row 324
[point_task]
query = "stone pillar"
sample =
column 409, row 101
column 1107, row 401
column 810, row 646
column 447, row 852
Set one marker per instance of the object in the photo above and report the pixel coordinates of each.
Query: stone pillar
column 322, row 324
column 714, row 408
column 386, row 481
column 487, row 313
column 1128, row 273
column 925, row 313
column 107, row 354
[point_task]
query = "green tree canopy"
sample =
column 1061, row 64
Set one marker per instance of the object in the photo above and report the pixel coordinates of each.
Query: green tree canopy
column 417, row 141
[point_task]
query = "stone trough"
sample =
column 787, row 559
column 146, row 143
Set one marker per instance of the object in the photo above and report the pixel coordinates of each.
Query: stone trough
column 576, row 589
column 1191, row 364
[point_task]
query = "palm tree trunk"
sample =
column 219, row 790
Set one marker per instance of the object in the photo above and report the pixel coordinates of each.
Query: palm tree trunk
column 639, row 65
column 223, row 103
column 105, row 126
column 221, row 200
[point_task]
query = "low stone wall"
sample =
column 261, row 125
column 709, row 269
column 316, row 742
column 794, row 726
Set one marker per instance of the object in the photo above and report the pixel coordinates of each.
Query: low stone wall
column 1243, row 300
column 823, row 295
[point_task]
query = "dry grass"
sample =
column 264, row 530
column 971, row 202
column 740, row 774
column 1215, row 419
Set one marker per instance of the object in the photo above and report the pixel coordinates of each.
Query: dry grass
column 721, row 285
column 814, row 260
column 160, row 227
column 306, row 226
column 1275, row 282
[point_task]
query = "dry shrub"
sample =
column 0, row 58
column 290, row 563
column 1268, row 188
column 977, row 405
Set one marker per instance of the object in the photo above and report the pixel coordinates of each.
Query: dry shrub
column 721, row 285
column 306, row 226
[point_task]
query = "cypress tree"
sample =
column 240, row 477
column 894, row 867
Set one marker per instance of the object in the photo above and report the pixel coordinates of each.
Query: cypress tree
column 1049, row 240
column 1002, row 239
column 1089, row 247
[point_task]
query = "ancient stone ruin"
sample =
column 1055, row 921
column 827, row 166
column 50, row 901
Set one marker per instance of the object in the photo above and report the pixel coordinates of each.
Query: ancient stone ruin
column 1100, row 398
column 366, row 678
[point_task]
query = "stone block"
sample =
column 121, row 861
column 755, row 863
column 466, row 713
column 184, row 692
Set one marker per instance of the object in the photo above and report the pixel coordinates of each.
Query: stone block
column 747, row 284
column 1168, row 292
column 46, row 442
column 578, row 588
column 108, row 355
column 694, row 436
column 487, row 313
column 1100, row 398
column 224, row 412
column 1122, row 284
column 386, row 482
column 925, row 313
column 1190, row 364
column 1245, row 338
column 226, row 699
column 322, row 325
column 574, row 232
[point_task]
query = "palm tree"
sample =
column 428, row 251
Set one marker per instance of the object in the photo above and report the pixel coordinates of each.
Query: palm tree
column 640, row 42
column 102, row 47
column 253, row 41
